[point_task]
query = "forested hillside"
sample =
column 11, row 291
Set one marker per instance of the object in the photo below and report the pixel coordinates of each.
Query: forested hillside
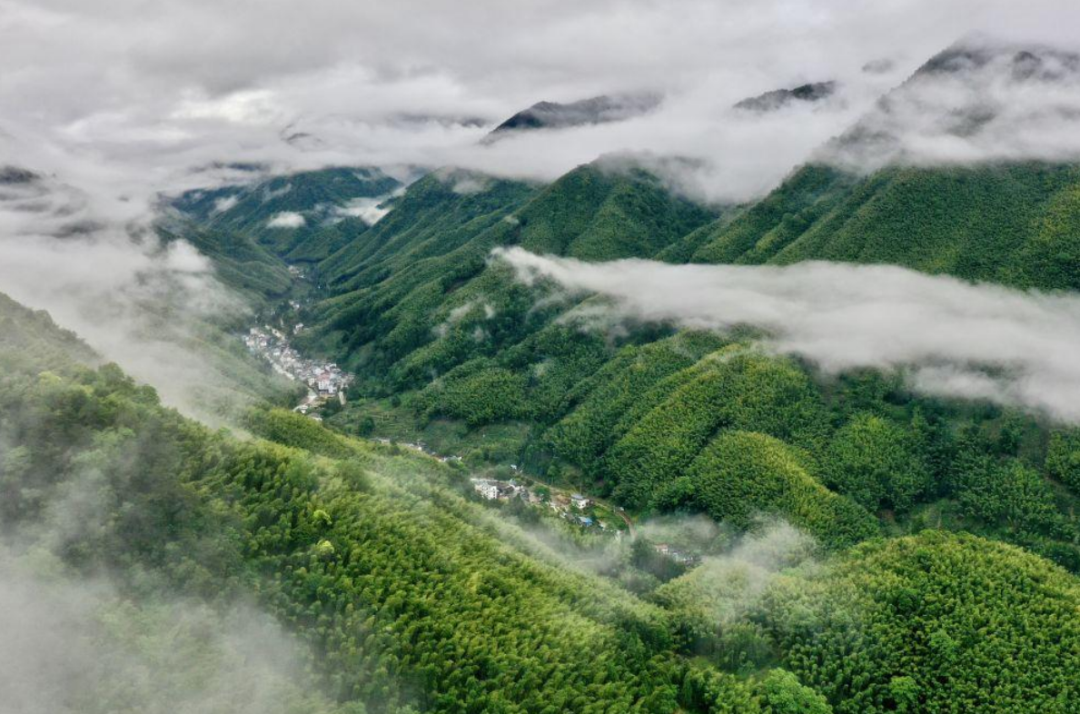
column 451, row 349
column 254, row 231
column 402, row 595
column 870, row 196
column 1014, row 224
column 873, row 548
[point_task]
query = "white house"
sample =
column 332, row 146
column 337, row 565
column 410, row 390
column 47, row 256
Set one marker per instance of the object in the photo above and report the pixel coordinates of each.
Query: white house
column 325, row 382
column 487, row 489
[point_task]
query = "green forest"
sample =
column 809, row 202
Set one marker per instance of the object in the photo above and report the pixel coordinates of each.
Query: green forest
column 403, row 594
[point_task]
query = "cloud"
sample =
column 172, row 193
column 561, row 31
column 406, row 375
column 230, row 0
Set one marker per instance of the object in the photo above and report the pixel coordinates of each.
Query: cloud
column 950, row 337
column 91, row 258
column 419, row 82
column 729, row 584
column 470, row 185
column 367, row 210
column 981, row 100
column 224, row 204
column 80, row 646
column 286, row 219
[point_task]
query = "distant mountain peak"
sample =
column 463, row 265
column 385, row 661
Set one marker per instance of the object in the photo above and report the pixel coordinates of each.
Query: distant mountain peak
column 978, row 100
column 1022, row 62
column 780, row 98
column 594, row 110
column 15, row 175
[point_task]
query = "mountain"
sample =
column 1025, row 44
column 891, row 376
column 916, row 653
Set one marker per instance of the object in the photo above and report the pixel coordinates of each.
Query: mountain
column 307, row 571
column 1023, row 63
column 39, row 204
column 30, row 339
column 449, row 348
column 429, row 258
column 595, row 110
column 305, row 207
column 780, row 98
column 254, row 231
column 871, row 196
column 339, row 541
column 13, row 175
column 977, row 101
column 1009, row 223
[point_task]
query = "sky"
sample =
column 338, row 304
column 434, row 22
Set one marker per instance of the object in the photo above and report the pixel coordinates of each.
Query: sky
column 133, row 94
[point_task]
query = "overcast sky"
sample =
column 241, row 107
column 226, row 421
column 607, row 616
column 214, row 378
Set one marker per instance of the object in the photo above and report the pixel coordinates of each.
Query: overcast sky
column 132, row 93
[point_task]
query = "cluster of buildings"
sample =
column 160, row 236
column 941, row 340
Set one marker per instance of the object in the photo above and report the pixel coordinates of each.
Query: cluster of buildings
column 572, row 508
column 324, row 378
column 495, row 490
column 679, row 556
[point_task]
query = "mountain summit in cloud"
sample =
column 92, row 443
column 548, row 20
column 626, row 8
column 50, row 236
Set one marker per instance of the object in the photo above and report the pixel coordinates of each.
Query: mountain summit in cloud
column 780, row 98
column 595, row 110
column 977, row 101
column 1022, row 62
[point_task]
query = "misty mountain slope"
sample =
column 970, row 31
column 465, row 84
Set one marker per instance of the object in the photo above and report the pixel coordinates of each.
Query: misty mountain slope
column 252, row 232
column 884, row 628
column 300, row 217
column 593, row 213
column 977, row 101
column 652, row 424
column 437, row 215
column 443, row 337
column 313, row 195
column 950, row 172
column 1011, row 224
column 809, row 193
column 372, row 584
column 425, row 267
column 239, row 262
column 29, row 338
column 397, row 590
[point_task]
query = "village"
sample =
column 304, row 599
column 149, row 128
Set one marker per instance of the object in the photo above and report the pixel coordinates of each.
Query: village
column 325, row 380
column 583, row 511
column 588, row 513
column 575, row 508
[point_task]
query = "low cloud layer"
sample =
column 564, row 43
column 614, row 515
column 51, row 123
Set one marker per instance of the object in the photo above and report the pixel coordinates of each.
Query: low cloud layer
column 74, row 647
column 286, row 219
column 951, row 338
column 93, row 261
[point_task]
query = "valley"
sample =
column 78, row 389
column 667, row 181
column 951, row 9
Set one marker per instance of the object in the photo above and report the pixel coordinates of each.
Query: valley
column 591, row 434
column 539, row 360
